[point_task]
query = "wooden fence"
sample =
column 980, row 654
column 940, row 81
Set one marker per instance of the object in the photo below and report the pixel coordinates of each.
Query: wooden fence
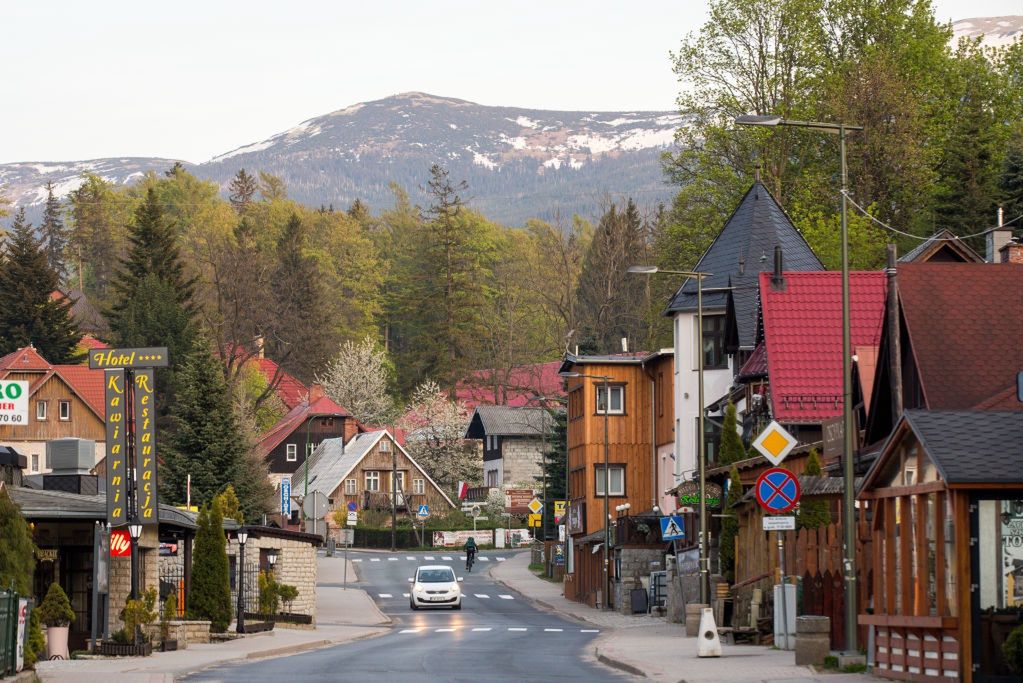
column 814, row 557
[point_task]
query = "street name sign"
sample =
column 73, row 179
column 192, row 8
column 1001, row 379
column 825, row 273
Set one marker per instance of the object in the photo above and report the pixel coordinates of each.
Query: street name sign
column 777, row 491
column 774, row 443
column 286, row 497
column 779, row 523
column 14, row 402
column 672, row 528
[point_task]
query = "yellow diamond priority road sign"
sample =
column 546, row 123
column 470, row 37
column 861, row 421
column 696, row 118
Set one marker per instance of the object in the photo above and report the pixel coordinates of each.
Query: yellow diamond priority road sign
column 774, row 443
column 535, row 506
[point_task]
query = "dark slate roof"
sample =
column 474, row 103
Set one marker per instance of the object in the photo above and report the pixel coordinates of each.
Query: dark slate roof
column 750, row 235
column 971, row 447
column 508, row 421
column 39, row 504
column 964, row 325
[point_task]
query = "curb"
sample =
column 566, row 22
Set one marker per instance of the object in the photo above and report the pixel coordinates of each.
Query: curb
column 545, row 605
column 618, row 664
column 310, row 645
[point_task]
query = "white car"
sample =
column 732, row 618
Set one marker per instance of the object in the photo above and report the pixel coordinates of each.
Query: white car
column 435, row 586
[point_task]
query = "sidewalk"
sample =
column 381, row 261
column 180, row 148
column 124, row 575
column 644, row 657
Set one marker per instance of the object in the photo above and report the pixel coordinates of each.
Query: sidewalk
column 342, row 615
column 652, row 648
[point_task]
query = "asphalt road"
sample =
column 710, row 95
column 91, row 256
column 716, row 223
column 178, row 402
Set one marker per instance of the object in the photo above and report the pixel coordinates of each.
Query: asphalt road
column 497, row 635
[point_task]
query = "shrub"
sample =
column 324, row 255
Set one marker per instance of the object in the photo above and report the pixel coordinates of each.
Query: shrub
column 36, row 641
column 167, row 615
column 1012, row 650
column 210, row 597
column 139, row 613
column 287, row 594
column 269, row 595
column 56, row 608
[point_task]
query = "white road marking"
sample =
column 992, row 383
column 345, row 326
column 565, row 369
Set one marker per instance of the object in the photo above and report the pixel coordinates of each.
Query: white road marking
column 484, row 559
column 481, row 595
column 386, row 595
column 516, row 629
column 410, row 630
column 375, row 559
column 481, row 629
column 499, row 559
column 404, row 595
column 589, row 630
column 553, row 630
column 444, row 630
column 428, row 557
column 446, row 558
column 358, row 559
column 506, row 597
column 410, row 558
column 392, row 559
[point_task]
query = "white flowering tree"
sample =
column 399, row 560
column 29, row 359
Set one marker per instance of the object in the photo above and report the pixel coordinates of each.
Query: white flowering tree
column 435, row 436
column 356, row 379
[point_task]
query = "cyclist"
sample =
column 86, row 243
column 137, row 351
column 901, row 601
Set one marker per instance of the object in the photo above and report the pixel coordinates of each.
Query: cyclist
column 470, row 553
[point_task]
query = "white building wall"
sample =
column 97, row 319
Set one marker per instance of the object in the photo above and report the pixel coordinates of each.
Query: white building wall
column 665, row 478
column 715, row 384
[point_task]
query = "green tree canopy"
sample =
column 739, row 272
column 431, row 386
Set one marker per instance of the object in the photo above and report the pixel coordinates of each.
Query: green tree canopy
column 17, row 551
column 210, row 597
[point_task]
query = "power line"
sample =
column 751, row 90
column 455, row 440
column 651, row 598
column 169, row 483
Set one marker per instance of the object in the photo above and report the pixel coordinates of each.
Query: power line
column 918, row 237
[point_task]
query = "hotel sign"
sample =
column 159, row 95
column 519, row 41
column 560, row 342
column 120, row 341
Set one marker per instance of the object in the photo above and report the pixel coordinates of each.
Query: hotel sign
column 145, row 446
column 149, row 357
column 117, row 448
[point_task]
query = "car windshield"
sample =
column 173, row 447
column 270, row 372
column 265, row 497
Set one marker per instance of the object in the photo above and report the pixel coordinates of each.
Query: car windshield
column 436, row 576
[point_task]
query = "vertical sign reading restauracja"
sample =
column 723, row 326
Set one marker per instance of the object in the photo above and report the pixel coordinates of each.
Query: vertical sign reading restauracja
column 145, row 447
column 117, row 448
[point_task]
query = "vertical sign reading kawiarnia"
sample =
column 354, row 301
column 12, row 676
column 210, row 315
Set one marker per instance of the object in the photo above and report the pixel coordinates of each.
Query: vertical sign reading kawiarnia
column 145, row 447
column 117, row 448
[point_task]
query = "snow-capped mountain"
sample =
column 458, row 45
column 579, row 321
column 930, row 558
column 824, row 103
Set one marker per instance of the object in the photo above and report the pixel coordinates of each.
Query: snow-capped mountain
column 994, row 31
column 519, row 163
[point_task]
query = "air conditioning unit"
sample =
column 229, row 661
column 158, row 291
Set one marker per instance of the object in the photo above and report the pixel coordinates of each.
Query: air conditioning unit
column 71, row 456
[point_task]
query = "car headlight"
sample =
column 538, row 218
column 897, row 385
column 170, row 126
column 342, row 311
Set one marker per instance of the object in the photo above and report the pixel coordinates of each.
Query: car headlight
column 417, row 587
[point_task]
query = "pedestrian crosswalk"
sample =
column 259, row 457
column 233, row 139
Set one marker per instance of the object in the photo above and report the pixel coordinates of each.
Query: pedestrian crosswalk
column 480, row 596
column 490, row 629
column 431, row 558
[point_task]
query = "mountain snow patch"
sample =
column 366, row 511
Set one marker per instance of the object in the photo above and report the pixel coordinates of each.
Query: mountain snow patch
column 481, row 160
column 254, row 147
column 526, row 122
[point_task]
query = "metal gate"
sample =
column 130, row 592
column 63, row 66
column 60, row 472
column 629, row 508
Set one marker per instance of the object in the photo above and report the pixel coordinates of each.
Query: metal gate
column 8, row 631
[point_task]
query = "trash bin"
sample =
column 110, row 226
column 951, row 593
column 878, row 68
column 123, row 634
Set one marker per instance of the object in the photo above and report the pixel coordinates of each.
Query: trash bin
column 638, row 600
column 331, row 545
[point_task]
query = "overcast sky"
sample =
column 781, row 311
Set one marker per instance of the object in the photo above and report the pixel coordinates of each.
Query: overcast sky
column 189, row 80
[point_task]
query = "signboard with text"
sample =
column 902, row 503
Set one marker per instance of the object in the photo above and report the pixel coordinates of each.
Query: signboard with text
column 145, row 447
column 286, row 497
column 117, row 448
column 516, row 501
column 688, row 494
column 14, row 402
column 149, row 357
column 120, row 543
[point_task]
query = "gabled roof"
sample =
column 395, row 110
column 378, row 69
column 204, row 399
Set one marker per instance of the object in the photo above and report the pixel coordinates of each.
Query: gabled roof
column 866, row 368
column 942, row 246
column 746, row 244
column 755, row 366
column 508, row 421
column 966, row 446
column 25, row 358
column 296, row 417
column 803, row 334
column 289, row 389
column 84, row 382
column 965, row 328
column 516, row 386
column 333, row 460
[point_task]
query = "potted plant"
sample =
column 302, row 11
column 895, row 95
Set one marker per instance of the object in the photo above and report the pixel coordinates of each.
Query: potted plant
column 56, row 614
column 168, row 614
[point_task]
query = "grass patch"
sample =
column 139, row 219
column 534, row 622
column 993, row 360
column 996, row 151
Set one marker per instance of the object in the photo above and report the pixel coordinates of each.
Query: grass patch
column 831, row 662
column 854, row 668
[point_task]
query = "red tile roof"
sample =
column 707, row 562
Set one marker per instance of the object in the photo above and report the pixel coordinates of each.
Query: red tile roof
column 85, row 382
column 756, row 365
column 89, row 342
column 514, row 389
column 25, row 358
column 803, row 336
column 965, row 327
column 295, row 419
column 289, row 390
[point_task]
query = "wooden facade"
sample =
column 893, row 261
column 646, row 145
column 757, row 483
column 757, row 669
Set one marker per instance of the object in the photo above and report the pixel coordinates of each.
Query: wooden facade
column 319, row 427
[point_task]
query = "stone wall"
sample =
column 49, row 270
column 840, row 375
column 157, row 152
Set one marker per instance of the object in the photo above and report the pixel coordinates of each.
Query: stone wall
column 521, row 460
column 296, row 566
column 635, row 573
column 185, row 632
column 120, row 575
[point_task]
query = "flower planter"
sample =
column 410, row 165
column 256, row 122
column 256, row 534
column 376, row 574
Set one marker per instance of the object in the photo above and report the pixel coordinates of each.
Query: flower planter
column 117, row 650
column 282, row 618
column 56, row 642
column 168, row 645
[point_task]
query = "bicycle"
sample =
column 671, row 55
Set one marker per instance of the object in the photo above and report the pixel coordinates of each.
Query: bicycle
column 470, row 559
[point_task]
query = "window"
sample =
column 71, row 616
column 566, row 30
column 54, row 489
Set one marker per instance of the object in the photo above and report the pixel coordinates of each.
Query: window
column 35, row 462
column 372, row 481
column 617, row 399
column 419, row 486
column 617, row 477
column 385, row 446
column 711, row 439
column 491, row 443
column 65, row 410
column 491, row 478
column 401, row 482
column 327, row 421
column 714, row 356
column 41, row 410
column 292, row 452
column 350, row 487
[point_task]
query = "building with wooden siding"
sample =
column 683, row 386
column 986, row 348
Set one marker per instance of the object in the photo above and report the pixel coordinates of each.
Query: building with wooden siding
column 65, row 401
column 371, row 470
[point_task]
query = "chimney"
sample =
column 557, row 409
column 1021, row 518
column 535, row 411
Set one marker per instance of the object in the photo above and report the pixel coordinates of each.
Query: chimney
column 1012, row 251
column 777, row 279
column 996, row 239
column 315, row 392
column 625, row 344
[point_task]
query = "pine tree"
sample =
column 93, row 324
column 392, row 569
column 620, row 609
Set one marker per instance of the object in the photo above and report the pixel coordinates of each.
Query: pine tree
column 210, row 597
column 813, row 512
column 730, row 527
column 554, row 465
column 205, row 439
column 17, row 551
column 53, row 235
column 29, row 313
column 243, row 188
column 1010, row 182
column 732, row 449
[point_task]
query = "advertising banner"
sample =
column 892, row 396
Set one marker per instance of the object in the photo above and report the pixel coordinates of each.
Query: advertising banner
column 457, row 539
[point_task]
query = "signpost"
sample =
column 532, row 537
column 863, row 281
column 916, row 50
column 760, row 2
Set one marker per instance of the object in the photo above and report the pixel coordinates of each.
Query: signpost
column 286, row 497
column 315, row 506
column 774, row 443
column 688, row 494
column 353, row 518
column 535, row 506
column 535, row 520
column 778, row 492
column 424, row 511
column 14, row 402
column 672, row 528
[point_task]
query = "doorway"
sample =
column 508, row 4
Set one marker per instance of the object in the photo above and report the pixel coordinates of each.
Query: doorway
column 997, row 567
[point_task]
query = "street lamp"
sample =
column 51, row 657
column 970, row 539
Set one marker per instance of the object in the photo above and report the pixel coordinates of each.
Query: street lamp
column 848, row 473
column 243, row 535
column 701, row 456
column 607, row 474
column 135, row 531
column 271, row 557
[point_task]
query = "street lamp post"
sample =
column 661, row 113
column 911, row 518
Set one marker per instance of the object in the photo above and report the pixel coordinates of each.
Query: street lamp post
column 135, row 531
column 848, row 473
column 701, row 456
column 243, row 535
column 607, row 475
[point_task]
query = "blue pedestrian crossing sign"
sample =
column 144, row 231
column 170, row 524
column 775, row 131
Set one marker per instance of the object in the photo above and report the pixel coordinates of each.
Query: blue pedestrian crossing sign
column 424, row 511
column 672, row 528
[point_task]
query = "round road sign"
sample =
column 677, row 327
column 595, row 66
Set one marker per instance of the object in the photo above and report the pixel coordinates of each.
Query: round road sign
column 352, row 506
column 777, row 490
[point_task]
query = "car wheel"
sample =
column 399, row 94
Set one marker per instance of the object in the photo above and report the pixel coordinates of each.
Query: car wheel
column 412, row 604
column 457, row 605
